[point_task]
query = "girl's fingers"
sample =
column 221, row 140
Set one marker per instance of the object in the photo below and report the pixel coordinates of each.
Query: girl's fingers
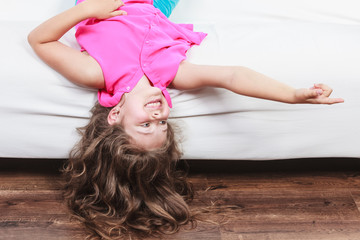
column 327, row 90
column 319, row 94
column 331, row 100
column 312, row 93
column 118, row 13
column 336, row 100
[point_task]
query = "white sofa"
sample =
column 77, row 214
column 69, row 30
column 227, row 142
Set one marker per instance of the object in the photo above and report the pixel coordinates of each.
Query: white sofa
column 300, row 42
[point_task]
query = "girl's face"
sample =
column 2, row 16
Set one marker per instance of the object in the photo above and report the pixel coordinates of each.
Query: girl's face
column 143, row 114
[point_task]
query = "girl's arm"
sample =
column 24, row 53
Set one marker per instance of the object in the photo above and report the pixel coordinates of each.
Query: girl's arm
column 78, row 67
column 247, row 82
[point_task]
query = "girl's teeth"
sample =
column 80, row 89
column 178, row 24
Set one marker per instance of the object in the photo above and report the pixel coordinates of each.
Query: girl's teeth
column 153, row 104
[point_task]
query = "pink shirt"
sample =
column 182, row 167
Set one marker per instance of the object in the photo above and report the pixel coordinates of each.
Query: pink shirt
column 143, row 42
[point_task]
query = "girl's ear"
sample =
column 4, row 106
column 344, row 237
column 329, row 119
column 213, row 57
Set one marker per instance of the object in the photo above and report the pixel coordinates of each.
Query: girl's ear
column 114, row 116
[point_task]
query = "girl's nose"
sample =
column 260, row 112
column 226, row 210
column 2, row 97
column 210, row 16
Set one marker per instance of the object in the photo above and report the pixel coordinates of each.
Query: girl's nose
column 156, row 114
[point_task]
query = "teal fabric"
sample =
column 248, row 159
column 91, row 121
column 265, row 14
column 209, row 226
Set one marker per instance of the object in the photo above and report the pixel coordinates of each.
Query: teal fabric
column 166, row 6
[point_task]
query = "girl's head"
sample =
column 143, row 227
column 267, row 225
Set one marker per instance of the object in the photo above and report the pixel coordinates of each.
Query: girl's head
column 117, row 188
column 143, row 113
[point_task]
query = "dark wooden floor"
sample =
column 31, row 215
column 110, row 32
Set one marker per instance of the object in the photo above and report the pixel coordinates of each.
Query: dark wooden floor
column 310, row 199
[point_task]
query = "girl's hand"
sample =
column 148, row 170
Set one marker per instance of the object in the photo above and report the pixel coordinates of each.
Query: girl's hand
column 103, row 9
column 318, row 94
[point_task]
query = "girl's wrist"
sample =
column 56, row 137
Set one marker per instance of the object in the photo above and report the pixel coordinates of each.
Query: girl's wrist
column 293, row 97
column 85, row 10
column 299, row 95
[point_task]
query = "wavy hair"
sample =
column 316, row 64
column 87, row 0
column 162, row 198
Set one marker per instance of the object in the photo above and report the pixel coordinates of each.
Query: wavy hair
column 121, row 191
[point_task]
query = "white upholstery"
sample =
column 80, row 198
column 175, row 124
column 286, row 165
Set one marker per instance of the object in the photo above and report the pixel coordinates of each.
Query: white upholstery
column 300, row 42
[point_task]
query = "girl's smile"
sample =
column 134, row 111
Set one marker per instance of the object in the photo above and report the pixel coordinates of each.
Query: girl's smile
column 154, row 104
column 143, row 113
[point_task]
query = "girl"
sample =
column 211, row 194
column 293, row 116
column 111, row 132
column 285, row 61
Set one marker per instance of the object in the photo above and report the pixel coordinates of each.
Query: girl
column 121, row 178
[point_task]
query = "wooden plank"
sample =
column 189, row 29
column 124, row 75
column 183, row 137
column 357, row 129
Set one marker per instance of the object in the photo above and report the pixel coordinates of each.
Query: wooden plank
column 278, row 180
column 256, row 204
column 291, row 236
column 29, row 182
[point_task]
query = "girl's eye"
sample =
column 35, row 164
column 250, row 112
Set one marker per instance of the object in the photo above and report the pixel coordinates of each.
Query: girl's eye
column 163, row 122
column 145, row 125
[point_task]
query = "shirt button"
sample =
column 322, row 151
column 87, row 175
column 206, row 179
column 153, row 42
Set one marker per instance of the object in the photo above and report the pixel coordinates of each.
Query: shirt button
column 128, row 88
column 145, row 64
column 147, row 42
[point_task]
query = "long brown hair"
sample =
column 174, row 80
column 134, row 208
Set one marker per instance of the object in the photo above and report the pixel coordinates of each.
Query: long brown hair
column 121, row 191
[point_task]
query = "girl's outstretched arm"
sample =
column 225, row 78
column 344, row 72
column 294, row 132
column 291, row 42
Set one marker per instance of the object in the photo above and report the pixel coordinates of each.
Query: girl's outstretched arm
column 78, row 67
column 247, row 82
